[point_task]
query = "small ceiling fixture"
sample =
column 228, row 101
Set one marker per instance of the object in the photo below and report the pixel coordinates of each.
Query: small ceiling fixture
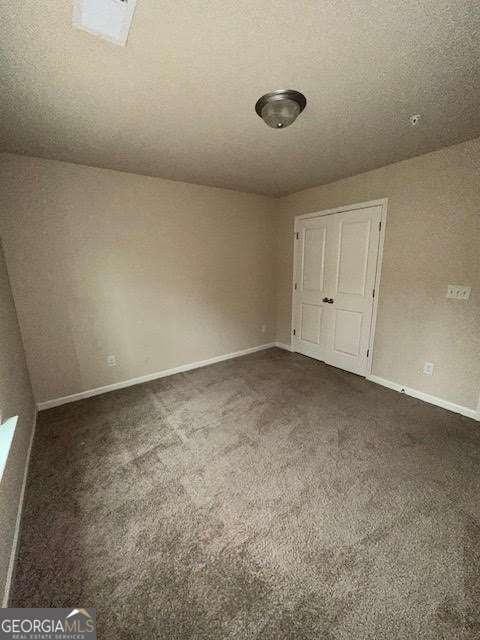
column 280, row 108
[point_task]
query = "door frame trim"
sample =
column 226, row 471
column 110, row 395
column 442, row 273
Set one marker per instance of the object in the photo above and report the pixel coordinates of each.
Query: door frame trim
column 383, row 203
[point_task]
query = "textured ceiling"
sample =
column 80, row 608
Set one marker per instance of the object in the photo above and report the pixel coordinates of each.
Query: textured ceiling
column 178, row 100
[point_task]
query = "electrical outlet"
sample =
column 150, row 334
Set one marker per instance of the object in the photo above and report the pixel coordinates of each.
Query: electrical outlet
column 458, row 292
column 264, row 328
column 428, row 368
column 111, row 361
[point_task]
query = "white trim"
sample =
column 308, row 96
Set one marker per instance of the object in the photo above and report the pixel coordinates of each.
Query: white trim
column 56, row 402
column 16, row 534
column 439, row 402
column 373, row 324
column 283, row 345
column 383, row 203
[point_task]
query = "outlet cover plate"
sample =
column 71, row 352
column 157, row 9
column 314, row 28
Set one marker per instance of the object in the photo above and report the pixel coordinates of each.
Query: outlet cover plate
column 428, row 368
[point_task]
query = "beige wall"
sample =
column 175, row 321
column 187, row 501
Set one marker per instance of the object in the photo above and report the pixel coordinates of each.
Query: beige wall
column 432, row 239
column 15, row 399
column 158, row 273
column 164, row 273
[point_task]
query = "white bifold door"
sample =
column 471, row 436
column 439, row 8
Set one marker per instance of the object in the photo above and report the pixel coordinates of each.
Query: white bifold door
column 335, row 268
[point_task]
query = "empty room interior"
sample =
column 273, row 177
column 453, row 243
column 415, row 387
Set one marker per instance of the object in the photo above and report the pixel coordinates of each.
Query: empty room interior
column 240, row 320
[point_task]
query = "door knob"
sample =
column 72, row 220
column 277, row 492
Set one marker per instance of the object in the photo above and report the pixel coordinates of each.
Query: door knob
column 329, row 300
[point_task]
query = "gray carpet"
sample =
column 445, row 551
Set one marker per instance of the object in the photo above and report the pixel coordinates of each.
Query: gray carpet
column 268, row 497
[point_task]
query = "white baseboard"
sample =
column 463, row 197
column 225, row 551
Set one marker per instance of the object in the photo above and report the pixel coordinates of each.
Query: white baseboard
column 56, row 402
column 16, row 533
column 283, row 345
column 439, row 402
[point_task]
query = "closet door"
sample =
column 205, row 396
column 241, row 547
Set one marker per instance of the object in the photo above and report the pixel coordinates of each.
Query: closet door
column 353, row 249
column 334, row 323
column 309, row 288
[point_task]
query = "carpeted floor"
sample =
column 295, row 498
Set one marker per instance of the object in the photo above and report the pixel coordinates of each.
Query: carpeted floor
column 269, row 497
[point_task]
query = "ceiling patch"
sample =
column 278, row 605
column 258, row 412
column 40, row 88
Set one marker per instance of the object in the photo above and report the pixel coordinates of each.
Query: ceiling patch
column 109, row 19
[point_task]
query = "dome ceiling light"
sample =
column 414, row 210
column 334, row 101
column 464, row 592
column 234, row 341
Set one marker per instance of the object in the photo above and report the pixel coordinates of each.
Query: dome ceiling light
column 280, row 108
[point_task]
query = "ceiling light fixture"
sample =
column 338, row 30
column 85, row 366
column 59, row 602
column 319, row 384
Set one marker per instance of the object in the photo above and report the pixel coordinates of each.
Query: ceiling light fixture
column 280, row 108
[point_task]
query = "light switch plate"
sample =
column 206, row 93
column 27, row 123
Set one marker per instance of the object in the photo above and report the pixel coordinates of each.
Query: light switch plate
column 458, row 292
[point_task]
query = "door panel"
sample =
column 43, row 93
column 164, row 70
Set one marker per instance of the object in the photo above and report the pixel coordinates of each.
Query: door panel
column 353, row 256
column 347, row 330
column 311, row 323
column 313, row 259
column 335, row 267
